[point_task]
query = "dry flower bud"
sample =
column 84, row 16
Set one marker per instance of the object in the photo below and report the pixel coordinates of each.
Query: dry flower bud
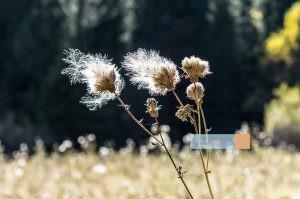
column 195, row 91
column 106, row 83
column 152, row 107
column 99, row 73
column 194, row 68
column 148, row 70
column 184, row 112
column 164, row 78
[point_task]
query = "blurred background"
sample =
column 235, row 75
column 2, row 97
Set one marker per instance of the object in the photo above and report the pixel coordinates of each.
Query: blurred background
column 51, row 146
column 252, row 47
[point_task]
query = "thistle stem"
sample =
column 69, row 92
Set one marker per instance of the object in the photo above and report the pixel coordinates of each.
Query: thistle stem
column 162, row 142
column 136, row 120
column 206, row 132
column 201, row 154
column 199, row 118
column 198, row 130
column 181, row 104
column 206, row 175
column 174, row 164
column 178, row 99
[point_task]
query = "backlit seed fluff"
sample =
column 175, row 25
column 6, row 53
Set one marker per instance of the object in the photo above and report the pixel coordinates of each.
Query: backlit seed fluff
column 194, row 68
column 101, row 76
column 152, row 107
column 184, row 112
column 149, row 70
column 195, row 91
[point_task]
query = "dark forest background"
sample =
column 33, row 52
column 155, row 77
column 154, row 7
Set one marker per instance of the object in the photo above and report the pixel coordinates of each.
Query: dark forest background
column 37, row 101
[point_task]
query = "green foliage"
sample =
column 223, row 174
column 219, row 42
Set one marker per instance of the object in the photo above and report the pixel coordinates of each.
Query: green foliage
column 284, row 109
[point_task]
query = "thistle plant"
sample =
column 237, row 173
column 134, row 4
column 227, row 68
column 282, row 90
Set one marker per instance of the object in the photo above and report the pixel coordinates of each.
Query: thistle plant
column 195, row 68
column 101, row 76
column 103, row 80
column 148, row 70
column 159, row 75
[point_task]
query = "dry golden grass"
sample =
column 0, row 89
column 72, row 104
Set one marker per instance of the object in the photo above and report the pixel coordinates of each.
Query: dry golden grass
column 266, row 174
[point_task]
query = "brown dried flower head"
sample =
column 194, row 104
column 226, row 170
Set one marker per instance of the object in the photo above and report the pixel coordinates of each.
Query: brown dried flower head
column 194, row 68
column 152, row 107
column 149, row 70
column 105, row 82
column 195, row 91
column 184, row 112
column 101, row 76
column 164, row 78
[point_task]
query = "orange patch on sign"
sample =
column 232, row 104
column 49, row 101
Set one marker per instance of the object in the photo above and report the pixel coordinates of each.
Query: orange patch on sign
column 242, row 141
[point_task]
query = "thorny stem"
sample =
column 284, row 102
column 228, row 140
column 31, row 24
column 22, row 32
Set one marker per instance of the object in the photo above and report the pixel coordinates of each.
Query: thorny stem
column 192, row 118
column 174, row 164
column 162, row 142
column 206, row 175
column 199, row 118
column 136, row 120
column 178, row 99
column 194, row 121
column 201, row 154
column 206, row 132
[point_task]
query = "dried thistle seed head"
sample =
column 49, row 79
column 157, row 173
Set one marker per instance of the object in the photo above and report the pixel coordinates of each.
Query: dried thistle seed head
column 195, row 91
column 152, row 107
column 99, row 73
column 194, row 68
column 184, row 112
column 164, row 79
column 105, row 83
column 149, row 70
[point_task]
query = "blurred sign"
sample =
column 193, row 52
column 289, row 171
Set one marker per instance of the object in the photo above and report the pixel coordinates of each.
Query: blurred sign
column 220, row 141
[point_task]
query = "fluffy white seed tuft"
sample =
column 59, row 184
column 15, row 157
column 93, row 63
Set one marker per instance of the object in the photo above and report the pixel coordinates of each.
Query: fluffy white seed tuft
column 149, row 70
column 99, row 73
column 194, row 68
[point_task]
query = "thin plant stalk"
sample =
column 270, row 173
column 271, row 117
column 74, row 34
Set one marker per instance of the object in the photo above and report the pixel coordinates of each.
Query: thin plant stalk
column 200, row 112
column 181, row 104
column 206, row 132
column 201, row 154
column 191, row 117
column 199, row 118
column 176, row 96
column 136, row 120
column 180, row 176
column 162, row 143
column 198, row 130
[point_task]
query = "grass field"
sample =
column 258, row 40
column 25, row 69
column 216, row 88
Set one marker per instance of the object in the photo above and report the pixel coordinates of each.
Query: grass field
column 265, row 174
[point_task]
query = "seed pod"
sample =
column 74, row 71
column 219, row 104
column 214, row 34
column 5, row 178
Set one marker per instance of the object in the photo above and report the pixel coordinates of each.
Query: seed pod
column 195, row 91
column 184, row 112
column 152, row 107
column 194, row 68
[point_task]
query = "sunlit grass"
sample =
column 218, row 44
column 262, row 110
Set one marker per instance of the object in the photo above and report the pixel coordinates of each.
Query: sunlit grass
column 266, row 173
